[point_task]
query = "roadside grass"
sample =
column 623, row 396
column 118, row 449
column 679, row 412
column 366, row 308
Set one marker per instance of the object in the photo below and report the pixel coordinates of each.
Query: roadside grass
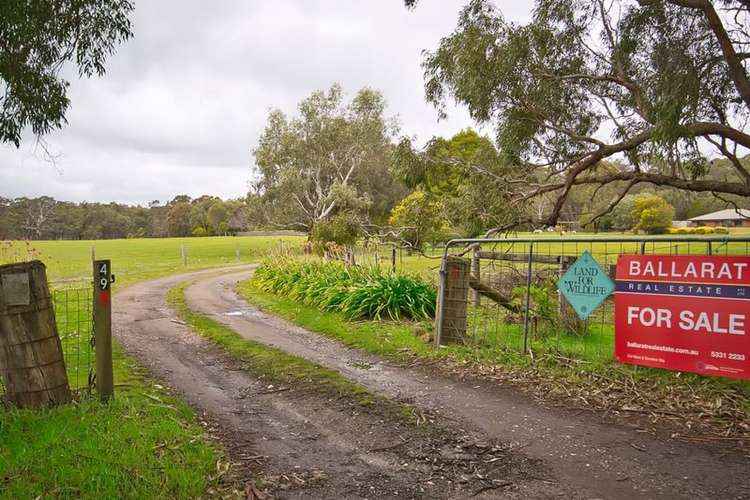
column 274, row 364
column 143, row 444
column 692, row 400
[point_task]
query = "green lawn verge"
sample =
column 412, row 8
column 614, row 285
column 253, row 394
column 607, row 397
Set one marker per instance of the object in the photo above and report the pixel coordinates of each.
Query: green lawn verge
column 143, row 444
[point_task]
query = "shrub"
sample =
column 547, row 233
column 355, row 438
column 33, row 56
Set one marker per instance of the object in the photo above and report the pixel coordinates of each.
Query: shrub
column 699, row 230
column 652, row 214
column 419, row 217
column 343, row 229
column 358, row 292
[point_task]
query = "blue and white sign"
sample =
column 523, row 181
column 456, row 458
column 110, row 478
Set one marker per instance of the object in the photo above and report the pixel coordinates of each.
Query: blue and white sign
column 585, row 285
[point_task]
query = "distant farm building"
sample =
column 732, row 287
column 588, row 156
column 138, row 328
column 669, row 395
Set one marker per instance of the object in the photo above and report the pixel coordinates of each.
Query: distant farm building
column 728, row 218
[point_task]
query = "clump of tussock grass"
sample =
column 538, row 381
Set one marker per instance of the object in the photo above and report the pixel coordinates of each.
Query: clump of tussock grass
column 357, row 292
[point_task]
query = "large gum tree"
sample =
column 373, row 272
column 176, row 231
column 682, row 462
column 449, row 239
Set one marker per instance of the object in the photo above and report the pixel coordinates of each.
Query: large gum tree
column 657, row 87
column 332, row 157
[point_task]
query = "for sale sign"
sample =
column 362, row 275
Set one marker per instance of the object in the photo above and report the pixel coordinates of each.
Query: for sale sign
column 687, row 313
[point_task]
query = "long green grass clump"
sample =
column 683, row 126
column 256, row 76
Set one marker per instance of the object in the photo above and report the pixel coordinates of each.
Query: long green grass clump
column 358, row 292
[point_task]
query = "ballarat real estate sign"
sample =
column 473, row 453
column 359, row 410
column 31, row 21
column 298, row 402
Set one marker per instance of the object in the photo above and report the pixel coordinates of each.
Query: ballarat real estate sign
column 686, row 312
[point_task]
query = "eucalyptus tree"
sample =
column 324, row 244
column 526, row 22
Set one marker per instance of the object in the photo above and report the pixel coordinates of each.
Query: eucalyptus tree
column 332, row 157
column 37, row 39
column 655, row 86
column 464, row 176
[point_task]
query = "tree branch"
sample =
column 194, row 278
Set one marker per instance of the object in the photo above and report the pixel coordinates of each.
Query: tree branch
column 733, row 60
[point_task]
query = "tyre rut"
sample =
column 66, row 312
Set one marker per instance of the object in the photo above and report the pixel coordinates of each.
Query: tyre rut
column 595, row 457
column 306, row 444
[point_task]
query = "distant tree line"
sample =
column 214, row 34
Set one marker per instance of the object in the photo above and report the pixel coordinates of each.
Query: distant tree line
column 45, row 218
column 340, row 172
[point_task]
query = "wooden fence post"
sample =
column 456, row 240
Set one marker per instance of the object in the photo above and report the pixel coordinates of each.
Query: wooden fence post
column 102, row 306
column 31, row 357
column 393, row 260
column 453, row 296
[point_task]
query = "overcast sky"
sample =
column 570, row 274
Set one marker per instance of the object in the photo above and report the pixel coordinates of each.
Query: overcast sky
column 183, row 103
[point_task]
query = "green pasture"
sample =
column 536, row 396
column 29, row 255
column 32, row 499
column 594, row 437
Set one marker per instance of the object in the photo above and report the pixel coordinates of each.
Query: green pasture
column 69, row 262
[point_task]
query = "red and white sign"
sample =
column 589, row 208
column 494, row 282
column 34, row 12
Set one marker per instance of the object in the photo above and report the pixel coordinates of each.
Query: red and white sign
column 684, row 312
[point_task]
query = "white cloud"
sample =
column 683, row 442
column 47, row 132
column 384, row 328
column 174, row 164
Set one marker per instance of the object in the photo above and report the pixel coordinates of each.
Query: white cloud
column 184, row 102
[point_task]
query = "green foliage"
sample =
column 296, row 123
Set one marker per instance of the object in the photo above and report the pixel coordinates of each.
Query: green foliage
column 698, row 230
column 178, row 219
column 582, row 82
column 419, row 218
column 218, row 217
column 357, row 292
column 461, row 173
column 343, row 229
column 200, row 231
column 652, row 214
column 45, row 218
column 37, row 39
column 333, row 157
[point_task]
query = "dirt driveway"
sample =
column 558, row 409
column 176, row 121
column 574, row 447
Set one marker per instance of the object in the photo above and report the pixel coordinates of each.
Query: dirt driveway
column 548, row 452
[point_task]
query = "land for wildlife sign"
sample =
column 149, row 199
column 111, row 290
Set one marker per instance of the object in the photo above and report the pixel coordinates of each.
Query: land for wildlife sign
column 585, row 285
column 684, row 312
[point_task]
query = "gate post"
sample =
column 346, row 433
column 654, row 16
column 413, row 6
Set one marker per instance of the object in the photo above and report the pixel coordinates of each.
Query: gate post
column 453, row 295
column 102, row 310
column 31, row 356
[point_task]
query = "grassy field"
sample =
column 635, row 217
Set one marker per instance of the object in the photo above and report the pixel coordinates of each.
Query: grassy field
column 69, row 262
column 144, row 444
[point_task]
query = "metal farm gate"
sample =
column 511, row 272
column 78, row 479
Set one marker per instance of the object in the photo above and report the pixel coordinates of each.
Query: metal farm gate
column 502, row 293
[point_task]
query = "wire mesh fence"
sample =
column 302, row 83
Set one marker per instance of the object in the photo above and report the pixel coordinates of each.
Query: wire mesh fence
column 514, row 303
column 73, row 314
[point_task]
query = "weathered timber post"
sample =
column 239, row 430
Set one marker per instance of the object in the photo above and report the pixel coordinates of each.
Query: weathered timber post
column 453, row 296
column 31, row 357
column 393, row 260
column 102, row 306
column 476, row 273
